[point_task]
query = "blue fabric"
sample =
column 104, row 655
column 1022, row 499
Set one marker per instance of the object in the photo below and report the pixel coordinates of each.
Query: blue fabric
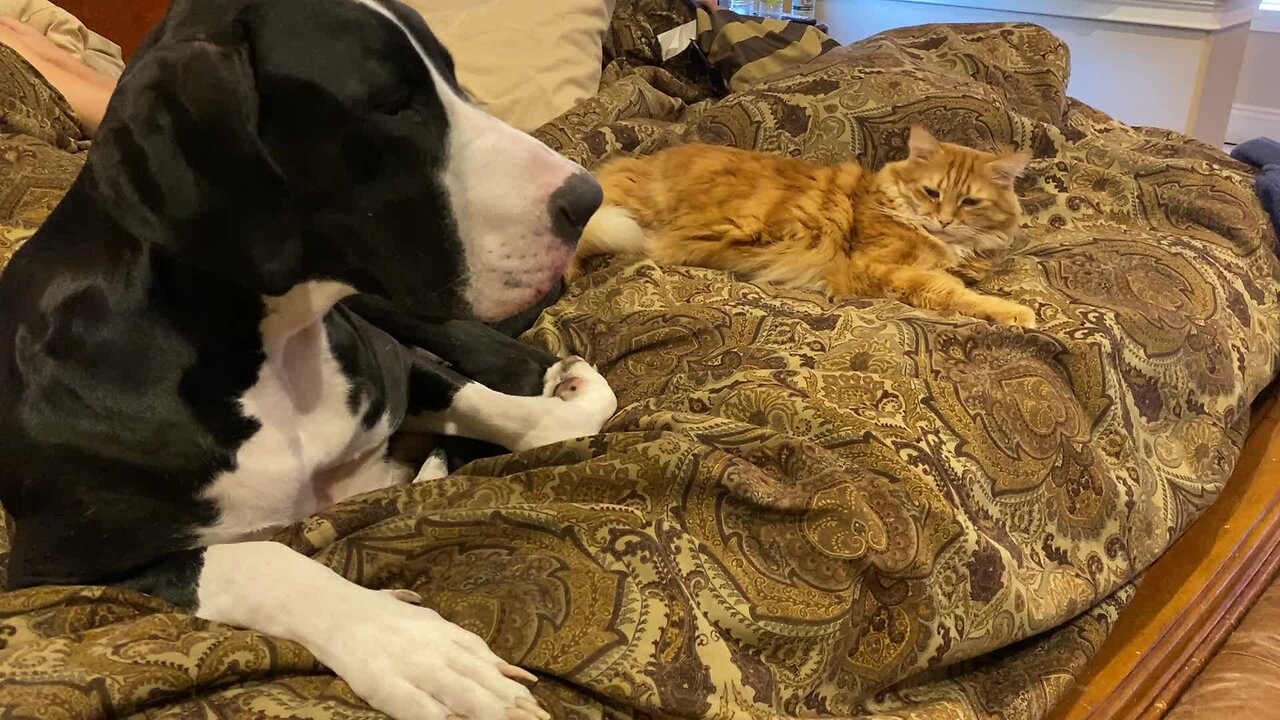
column 1259, row 153
column 1264, row 154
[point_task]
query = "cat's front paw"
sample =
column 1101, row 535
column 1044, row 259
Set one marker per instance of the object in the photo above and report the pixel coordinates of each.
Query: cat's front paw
column 1003, row 312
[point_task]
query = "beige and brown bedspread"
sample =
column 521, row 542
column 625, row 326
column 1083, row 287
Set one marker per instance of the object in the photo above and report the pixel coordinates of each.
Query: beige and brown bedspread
column 802, row 509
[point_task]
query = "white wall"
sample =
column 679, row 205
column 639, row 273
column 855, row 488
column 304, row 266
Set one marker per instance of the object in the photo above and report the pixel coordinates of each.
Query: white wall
column 1257, row 100
column 1260, row 81
column 1175, row 77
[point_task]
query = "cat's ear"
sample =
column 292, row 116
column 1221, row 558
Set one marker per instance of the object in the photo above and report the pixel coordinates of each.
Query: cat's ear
column 1008, row 167
column 922, row 144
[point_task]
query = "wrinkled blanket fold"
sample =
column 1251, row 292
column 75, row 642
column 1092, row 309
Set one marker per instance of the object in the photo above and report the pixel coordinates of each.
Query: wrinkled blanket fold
column 804, row 508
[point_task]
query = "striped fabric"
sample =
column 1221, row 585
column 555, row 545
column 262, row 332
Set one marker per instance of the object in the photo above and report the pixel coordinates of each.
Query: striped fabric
column 746, row 50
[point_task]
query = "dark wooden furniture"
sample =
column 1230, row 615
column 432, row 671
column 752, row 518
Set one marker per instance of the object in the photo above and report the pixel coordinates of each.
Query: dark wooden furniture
column 124, row 22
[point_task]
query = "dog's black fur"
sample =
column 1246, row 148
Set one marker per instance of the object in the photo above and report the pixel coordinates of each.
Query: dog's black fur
column 252, row 146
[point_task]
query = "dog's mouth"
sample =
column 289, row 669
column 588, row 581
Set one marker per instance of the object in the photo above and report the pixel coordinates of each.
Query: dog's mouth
column 510, row 269
column 512, row 284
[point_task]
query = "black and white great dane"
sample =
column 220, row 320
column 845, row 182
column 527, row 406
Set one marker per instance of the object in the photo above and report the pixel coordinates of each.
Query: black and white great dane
column 290, row 215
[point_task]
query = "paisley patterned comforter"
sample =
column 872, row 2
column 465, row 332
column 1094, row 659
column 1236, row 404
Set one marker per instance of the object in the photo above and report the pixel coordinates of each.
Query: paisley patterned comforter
column 802, row 509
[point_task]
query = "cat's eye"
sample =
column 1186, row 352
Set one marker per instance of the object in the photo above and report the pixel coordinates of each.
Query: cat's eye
column 932, row 193
column 970, row 201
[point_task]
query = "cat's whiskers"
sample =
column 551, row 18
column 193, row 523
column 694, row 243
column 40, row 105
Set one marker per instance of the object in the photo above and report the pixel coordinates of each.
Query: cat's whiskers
column 905, row 216
column 981, row 239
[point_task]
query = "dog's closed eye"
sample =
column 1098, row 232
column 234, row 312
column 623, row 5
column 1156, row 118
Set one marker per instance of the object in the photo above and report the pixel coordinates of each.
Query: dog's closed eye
column 394, row 101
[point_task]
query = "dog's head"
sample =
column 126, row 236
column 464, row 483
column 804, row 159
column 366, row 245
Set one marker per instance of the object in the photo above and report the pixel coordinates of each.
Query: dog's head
column 277, row 142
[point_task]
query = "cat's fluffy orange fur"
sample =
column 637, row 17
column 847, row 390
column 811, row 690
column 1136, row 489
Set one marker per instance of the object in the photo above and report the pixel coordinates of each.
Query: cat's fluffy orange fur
column 905, row 232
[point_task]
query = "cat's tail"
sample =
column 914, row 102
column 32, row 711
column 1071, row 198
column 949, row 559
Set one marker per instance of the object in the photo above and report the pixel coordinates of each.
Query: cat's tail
column 611, row 231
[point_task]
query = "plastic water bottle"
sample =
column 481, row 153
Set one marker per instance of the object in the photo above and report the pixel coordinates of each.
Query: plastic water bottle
column 805, row 9
column 743, row 7
column 771, row 8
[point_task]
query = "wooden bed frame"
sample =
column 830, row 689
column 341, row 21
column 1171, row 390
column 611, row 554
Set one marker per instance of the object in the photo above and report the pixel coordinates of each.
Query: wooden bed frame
column 1189, row 601
column 124, row 22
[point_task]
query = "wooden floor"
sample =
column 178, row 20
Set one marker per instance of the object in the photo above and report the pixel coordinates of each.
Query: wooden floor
column 1195, row 594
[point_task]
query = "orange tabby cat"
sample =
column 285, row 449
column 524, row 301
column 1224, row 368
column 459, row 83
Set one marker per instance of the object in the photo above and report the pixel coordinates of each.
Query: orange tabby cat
column 900, row 233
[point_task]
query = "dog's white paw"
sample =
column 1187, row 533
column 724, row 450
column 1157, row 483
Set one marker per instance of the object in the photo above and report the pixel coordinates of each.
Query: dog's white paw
column 580, row 401
column 412, row 664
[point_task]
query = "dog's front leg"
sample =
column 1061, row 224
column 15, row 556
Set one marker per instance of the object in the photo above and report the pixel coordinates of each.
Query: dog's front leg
column 404, row 660
column 575, row 402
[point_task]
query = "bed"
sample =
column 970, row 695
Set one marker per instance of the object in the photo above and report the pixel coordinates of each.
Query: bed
column 803, row 508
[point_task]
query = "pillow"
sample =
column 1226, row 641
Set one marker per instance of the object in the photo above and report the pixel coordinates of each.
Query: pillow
column 67, row 32
column 525, row 61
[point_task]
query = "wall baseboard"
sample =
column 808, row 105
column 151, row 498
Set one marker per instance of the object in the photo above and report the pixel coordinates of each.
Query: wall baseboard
column 1251, row 121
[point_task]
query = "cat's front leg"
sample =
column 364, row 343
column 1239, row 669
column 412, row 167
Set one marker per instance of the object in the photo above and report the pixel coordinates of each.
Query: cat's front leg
column 974, row 269
column 940, row 290
column 986, row 307
column 1002, row 312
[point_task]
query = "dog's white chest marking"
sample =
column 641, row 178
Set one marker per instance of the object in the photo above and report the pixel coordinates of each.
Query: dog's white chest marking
column 310, row 450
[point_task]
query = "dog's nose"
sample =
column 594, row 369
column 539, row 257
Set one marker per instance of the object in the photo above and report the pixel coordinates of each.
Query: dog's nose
column 573, row 204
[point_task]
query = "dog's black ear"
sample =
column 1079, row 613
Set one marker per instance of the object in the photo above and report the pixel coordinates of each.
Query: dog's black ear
column 179, row 162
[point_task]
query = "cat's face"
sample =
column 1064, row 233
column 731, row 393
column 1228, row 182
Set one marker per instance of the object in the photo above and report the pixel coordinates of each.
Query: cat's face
column 960, row 195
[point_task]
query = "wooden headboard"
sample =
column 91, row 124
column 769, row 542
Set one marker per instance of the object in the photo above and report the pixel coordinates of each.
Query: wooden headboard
column 124, row 22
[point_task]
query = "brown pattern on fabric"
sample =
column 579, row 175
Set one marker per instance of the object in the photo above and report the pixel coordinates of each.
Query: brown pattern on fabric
column 34, row 173
column 33, row 108
column 746, row 51
column 802, row 509
column 636, row 24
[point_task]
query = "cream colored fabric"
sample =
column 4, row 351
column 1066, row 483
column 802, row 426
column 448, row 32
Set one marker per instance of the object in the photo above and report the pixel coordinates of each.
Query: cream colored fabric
column 526, row 61
column 67, row 32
